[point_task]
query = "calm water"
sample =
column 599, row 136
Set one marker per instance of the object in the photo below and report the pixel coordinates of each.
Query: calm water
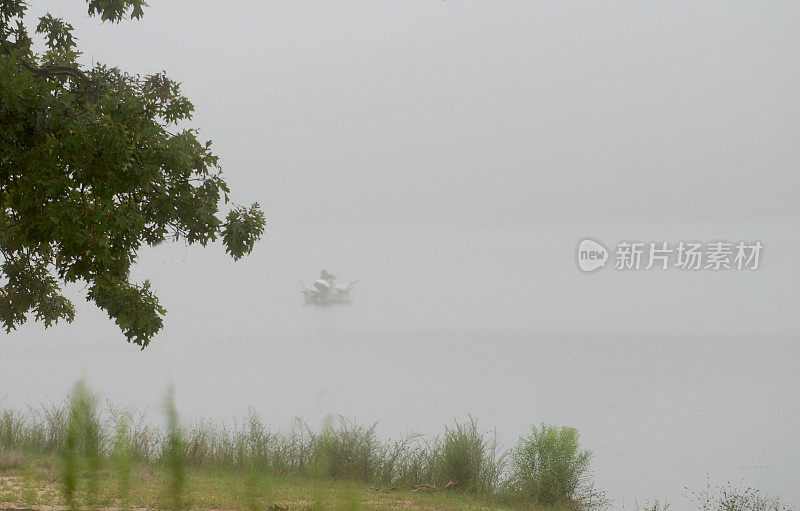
column 671, row 377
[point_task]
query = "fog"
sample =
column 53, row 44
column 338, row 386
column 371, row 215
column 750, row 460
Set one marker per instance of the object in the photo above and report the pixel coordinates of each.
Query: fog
column 450, row 156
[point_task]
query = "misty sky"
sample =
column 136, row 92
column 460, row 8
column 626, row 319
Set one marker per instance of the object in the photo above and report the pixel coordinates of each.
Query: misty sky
column 452, row 154
column 387, row 112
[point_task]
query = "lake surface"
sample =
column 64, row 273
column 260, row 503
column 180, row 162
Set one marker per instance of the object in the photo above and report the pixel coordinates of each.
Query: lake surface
column 673, row 378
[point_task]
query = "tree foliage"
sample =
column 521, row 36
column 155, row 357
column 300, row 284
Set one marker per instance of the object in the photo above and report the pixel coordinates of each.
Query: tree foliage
column 94, row 164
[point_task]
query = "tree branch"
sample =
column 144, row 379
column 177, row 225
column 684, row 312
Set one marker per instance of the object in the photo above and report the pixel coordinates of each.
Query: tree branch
column 52, row 69
column 56, row 70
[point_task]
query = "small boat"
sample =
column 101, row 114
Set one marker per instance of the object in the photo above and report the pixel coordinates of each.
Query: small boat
column 325, row 292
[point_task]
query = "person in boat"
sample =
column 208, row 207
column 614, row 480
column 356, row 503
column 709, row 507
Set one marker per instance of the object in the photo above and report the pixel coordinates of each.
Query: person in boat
column 325, row 283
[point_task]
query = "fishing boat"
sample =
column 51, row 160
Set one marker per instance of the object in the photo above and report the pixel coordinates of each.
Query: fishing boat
column 324, row 291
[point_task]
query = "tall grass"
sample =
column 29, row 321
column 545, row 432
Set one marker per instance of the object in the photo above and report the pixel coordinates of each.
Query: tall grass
column 347, row 451
column 174, row 456
column 81, row 450
column 122, row 456
column 464, row 458
column 36, row 430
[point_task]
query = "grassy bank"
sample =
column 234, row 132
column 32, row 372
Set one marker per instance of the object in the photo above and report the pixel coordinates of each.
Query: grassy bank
column 37, row 483
column 82, row 455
